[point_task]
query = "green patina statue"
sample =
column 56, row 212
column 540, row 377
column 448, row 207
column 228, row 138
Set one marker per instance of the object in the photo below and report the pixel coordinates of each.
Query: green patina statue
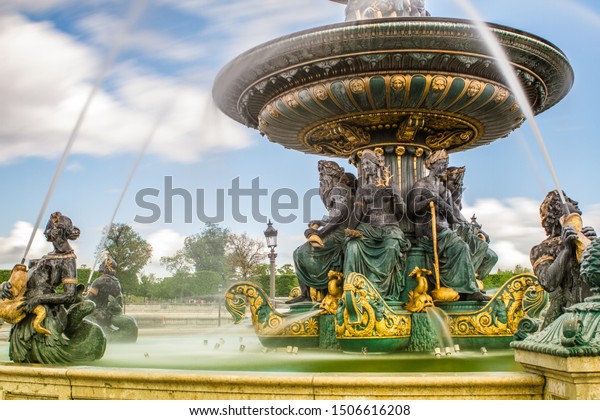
column 456, row 267
column 59, row 333
column 483, row 257
column 105, row 292
column 556, row 260
column 575, row 333
column 322, row 253
column 376, row 246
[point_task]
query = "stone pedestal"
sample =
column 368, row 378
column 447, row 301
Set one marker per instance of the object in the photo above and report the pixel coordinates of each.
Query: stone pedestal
column 566, row 378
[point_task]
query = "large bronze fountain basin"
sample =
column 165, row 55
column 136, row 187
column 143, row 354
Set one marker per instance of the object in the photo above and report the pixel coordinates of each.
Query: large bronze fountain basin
column 338, row 88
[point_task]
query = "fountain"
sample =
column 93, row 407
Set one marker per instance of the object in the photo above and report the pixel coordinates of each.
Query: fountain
column 395, row 92
column 402, row 90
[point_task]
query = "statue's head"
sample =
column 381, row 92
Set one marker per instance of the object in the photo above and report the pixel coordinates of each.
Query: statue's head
column 60, row 226
column 330, row 168
column 437, row 162
column 552, row 209
column 108, row 266
column 371, row 163
column 372, row 157
column 454, row 178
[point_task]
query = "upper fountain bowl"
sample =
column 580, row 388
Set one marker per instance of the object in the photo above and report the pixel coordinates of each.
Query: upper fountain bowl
column 335, row 89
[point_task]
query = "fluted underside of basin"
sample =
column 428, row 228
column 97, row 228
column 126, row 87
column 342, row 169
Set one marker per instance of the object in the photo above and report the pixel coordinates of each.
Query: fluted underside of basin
column 336, row 89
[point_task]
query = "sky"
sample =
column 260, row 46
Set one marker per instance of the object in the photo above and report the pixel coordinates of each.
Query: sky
column 166, row 56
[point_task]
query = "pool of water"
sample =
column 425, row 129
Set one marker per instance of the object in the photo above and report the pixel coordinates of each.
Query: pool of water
column 235, row 349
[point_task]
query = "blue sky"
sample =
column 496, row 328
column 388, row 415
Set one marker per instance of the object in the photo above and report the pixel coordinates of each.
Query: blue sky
column 52, row 50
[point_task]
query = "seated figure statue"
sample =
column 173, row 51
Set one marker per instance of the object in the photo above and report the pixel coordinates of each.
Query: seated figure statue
column 65, row 336
column 376, row 246
column 482, row 256
column 555, row 261
column 373, row 9
column 455, row 264
column 105, row 292
column 323, row 251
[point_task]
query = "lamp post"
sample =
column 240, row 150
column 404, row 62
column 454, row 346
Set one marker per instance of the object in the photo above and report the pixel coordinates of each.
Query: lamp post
column 220, row 292
column 271, row 237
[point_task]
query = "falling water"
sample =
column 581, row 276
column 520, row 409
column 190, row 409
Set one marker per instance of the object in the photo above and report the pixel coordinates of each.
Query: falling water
column 534, row 165
column 439, row 320
column 134, row 13
column 514, row 85
column 132, row 173
column 289, row 320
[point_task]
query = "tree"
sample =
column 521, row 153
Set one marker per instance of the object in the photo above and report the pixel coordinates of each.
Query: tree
column 206, row 251
column 147, row 287
column 177, row 263
column 245, row 254
column 502, row 276
column 285, row 279
column 129, row 250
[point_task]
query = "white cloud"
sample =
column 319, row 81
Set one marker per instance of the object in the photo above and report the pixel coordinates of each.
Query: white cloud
column 13, row 246
column 165, row 243
column 101, row 28
column 240, row 25
column 36, row 5
column 45, row 80
column 591, row 217
column 74, row 167
column 514, row 226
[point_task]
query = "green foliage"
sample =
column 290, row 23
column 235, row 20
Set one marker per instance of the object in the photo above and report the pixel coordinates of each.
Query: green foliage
column 83, row 274
column 182, row 286
column 177, row 263
column 285, row 279
column 493, row 281
column 129, row 250
column 244, row 255
column 206, row 251
column 4, row 275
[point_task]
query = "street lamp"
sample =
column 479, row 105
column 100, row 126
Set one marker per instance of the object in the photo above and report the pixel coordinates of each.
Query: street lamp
column 271, row 237
column 220, row 292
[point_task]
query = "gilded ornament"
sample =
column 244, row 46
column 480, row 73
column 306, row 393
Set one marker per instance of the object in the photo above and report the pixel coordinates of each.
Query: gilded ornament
column 398, row 83
column 366, row 314
column 338, row 139
column 400, row 150
column 262, row 123
column 419, row 152
column 265, row 319
column 501, row 95
column 272, row 111
column 500, row 316
column 418, row 299
column 357, row 86
column 449, row 139
column 291, row 101
column 321, row 93
column 439, row 83
column 474, row 88
column 409, row 128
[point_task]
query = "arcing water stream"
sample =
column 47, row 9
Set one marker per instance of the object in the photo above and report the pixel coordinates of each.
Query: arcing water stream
column 511, row 79
column 111, row 55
